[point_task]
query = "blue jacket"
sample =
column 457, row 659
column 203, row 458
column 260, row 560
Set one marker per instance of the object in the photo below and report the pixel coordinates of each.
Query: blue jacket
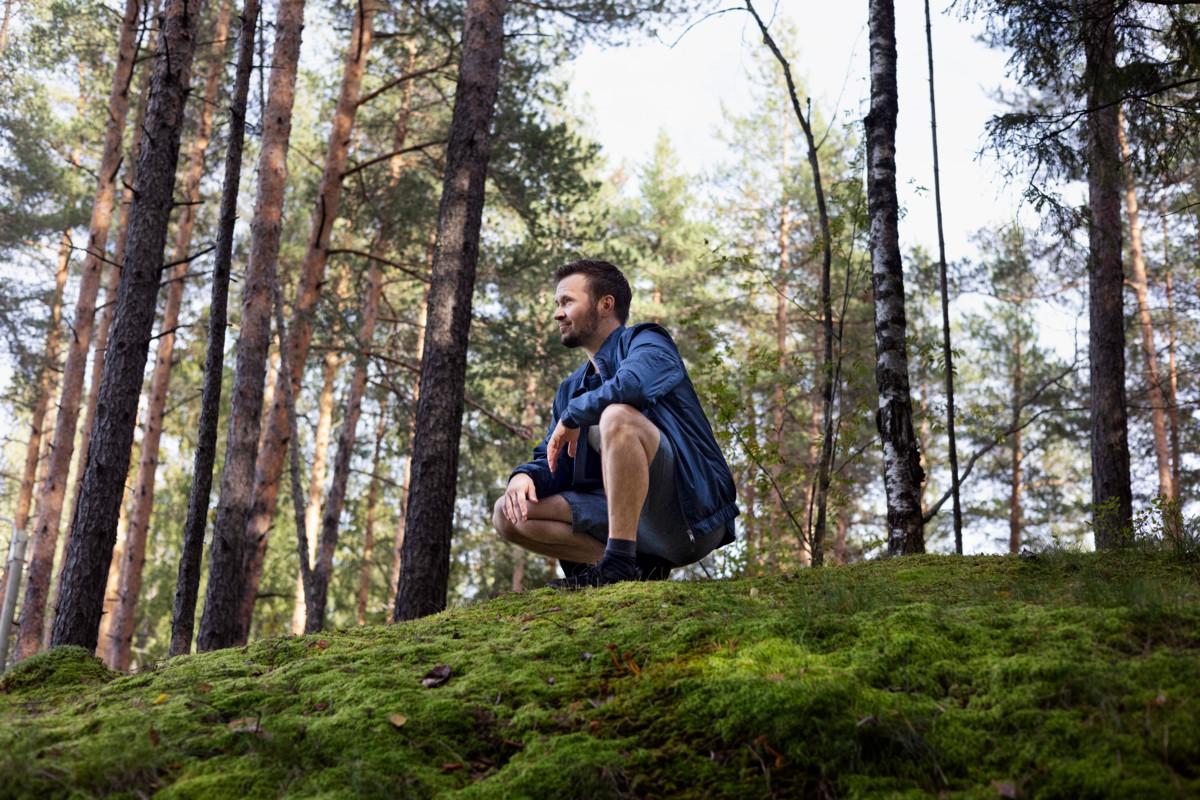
column 641, row 367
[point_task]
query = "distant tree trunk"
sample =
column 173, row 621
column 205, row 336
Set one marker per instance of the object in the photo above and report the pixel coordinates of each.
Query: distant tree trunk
column 1014, row 495
column 187, row 584
column 94, row 528
column 316, row 480
column 425, row 561
column 902, row 474
column 529, row 419
column 220, row 623
column 1154, row 386
column 53, row 492
column 1112, row 495
column 779, row 398
column 1173, row 373
column 839, row 543
column 947, row 351
column 8, row 4
column 134, row 555
column 368, row 552
column 269, row 468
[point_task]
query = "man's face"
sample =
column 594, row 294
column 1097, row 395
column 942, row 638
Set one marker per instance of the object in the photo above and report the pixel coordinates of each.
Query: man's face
column 575, row 311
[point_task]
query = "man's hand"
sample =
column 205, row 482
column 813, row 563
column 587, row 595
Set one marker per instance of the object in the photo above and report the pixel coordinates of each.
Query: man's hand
column 517, row 496
column 562, row 436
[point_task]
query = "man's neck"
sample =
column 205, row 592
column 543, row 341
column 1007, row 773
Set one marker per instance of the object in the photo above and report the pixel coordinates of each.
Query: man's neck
column 602, row 334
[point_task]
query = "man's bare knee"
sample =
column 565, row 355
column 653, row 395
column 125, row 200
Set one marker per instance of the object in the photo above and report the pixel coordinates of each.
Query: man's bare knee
column 618, row 418
column 504, row 527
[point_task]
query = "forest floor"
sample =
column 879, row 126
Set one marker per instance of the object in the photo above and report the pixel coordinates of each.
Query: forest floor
column 1063, row 675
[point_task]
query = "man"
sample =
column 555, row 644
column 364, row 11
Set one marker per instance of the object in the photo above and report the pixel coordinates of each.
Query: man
column 629, row 480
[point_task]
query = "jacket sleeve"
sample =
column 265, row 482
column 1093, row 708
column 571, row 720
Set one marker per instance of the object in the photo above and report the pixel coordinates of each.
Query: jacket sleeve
column 650, row 369
column 544, row 481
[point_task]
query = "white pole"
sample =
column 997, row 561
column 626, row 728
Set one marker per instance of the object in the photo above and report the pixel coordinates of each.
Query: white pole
column 16, row 562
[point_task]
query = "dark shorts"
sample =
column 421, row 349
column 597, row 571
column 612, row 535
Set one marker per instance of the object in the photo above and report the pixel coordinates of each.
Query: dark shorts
column 662, row 529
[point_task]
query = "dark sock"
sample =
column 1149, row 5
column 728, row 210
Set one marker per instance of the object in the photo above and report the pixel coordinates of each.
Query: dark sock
column 620, row 557
column 625, row 548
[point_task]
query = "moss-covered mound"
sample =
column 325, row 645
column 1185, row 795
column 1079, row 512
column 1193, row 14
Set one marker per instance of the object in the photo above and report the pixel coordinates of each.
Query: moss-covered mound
column 1060, row 676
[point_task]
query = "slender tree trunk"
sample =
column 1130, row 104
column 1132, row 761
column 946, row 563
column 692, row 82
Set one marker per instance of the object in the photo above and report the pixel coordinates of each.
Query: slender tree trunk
column 316, row 480
column 8, row 4
column 1154, row 386
column 947, row 351
column 902, row 474
column 269, row 468
column 425, row 561
column 220, row 623
column 1112, row 495
column 779, row 399
column 406, row 470
column 134, row 555
column 839, row 543
column 1173, row 373
column 1014, row 496
column 529, row 419
column 53, row 492
column 368, row 553
column 94, row 528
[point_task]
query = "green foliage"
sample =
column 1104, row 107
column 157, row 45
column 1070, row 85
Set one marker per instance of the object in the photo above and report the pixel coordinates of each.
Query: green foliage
column 62, row 668
column 1062, row 674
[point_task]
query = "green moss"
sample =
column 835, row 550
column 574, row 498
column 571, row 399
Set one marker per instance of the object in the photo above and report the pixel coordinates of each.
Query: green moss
column 56, row 669
column 1066, row 675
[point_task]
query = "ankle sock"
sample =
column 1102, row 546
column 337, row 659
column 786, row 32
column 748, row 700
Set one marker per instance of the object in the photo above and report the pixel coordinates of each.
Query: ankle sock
column 620, row 558
column 623, row 548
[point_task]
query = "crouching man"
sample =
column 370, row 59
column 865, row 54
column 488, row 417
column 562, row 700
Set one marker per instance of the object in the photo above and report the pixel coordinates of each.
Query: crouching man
column 629, row 481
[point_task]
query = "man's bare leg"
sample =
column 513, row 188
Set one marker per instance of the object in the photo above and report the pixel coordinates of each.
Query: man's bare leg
column 629, row 443
column 548, row 531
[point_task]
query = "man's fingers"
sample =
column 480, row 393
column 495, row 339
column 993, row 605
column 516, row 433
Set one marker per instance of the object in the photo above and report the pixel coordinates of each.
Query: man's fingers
column 532, row 493
column 509, row 511
column 571, row 445
column 523, row 509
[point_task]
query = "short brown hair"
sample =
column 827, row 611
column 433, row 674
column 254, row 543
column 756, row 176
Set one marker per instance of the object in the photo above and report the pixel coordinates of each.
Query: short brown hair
column 603, row 279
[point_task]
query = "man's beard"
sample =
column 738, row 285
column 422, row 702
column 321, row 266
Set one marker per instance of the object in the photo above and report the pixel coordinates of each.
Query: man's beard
column 578, row 332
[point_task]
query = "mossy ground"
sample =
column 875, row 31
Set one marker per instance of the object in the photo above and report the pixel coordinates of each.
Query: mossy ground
column 1063, row 676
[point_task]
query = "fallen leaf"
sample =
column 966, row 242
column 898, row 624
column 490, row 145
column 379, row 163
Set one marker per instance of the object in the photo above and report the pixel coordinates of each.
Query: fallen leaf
column 1005, row 789
column 155, row 739
column 397, row 720
column 450, row 766
column 162, row 698
column 436, row 676
column 244, row 725
column 204, row 688
column 775, row 676
column 320, row 706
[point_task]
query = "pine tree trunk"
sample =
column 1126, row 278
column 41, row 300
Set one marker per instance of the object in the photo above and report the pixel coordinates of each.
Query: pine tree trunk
column 95, row 525
column 1154, row 384
column 425, row 561
column 8, row 4
column 316, row 481
column 839, row 543
column 134, row 555
column 902, row 474
column 406, row 470
column 220, row 623
column 779, row 399
column 1173, row 373
column 270, row 464
column 53, row 492
column 1015, row 514
column 187, row 584
column 1112, row 495
column 368, row 552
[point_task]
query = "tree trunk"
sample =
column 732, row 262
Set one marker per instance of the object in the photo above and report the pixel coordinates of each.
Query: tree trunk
column 839, row 543
column 8, row 4
column 187, row 584
column 134, row 555
column 902, row 474
column 947, row 351
column 425, row 561
column 1014, row 495
column 368, row 552
column 53, row 492
column 269, row 468
column 1173, row 373
column 406, row 470
column 220, row 623
column 316, row 481
column 1112, row 496
column 1154, row 387
column 94, row 528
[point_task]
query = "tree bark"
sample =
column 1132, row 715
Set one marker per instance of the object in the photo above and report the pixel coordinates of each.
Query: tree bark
column 902, row 473
column 270, row 464
column 1140, row 284
column 1172, row 370
column 368, row 552
column 8, row 4
column 53, row 492
column 425, row 560
column 406, row 470
column 95, row 525
column 1015, row 514
column 1112, row 495
column 316, row 481
column 134, row 554
column 220, row 623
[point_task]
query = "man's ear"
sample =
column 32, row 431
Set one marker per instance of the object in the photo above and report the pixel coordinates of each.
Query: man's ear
column 608, row 302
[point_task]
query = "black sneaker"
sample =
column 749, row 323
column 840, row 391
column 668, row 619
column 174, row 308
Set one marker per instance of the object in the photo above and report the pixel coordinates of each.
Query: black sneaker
column 654, row 568
column 608, row 571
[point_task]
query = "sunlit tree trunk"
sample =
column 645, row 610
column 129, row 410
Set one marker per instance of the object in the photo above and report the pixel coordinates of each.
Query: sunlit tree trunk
column 425, row 561
column 1015, row 514
column 220, row 623
column 1112, row 495
column 94, row 527
column 1140, row 284
column 902, row 474
column 53, row 492
column 270, row 464
column 4, row 23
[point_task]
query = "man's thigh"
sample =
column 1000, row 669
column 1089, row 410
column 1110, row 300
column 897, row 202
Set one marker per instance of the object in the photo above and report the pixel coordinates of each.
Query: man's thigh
column 552, row 507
